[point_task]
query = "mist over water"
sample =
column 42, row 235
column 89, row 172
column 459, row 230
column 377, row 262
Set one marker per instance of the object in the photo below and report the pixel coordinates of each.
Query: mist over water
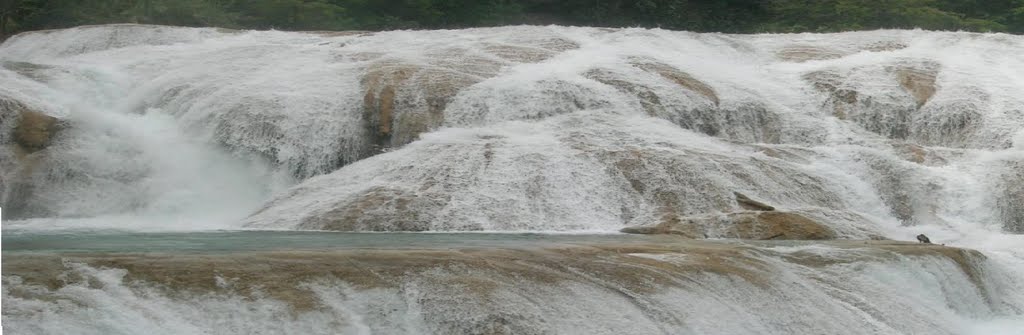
column 533, row 129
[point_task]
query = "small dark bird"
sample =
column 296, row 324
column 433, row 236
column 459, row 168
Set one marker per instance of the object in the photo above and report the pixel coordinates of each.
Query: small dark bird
column 923, row 239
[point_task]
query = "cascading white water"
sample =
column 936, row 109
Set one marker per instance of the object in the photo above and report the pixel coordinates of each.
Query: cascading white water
column 883, row 133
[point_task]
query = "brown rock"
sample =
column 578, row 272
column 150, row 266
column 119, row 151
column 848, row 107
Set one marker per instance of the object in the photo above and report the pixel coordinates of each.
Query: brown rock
column 913, row 81
column 404, row 100
column 30, row 130
column 382, row 209
column 648, row 99
column 679, row 77
column 918, row 81
column 779, row 225
column 519, row 54
column 743, row 225
column 24, row 133
column 35, row 131
column 803, row 53
column 380, row 83
column 840, row 98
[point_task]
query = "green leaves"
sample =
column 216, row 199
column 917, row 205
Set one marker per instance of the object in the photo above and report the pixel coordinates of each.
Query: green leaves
column 696, row 15
column 841, row 15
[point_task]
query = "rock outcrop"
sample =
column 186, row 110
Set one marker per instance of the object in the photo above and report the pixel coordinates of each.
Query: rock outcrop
column 24, row 135
column 669, row 93
column 404, row 100
column 35, row 130
column 804, row 53
column 27, row 129
column 572, row 172
column 753, row 225
column 919, row 81
column 800, row 53
column 678, row 77
column 758, row 221
column 495, row 289
column 899, row 110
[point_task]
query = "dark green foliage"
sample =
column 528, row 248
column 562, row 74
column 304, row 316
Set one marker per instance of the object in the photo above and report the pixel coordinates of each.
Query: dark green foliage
column 696, row 15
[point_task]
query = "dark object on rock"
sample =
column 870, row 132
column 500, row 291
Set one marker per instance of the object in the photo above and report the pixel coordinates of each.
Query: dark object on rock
column 750, row 204
column 923, row 239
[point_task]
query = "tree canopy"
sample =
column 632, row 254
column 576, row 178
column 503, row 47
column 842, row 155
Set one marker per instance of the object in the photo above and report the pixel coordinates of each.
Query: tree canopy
column 696, row 15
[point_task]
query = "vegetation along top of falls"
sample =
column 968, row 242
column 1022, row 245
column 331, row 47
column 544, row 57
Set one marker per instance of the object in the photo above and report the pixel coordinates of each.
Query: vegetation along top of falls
column 694, row 15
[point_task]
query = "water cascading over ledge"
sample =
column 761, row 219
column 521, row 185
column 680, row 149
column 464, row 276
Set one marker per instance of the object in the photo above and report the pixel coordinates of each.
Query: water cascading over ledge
column 524, row 128
column 657, row 286
column 855, row 136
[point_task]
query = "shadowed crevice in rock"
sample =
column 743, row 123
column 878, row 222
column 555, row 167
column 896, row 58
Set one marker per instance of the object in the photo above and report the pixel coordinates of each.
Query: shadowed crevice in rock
column 747, row 203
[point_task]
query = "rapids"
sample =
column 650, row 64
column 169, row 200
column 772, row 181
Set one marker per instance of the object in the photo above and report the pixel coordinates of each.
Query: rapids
column 525, row 129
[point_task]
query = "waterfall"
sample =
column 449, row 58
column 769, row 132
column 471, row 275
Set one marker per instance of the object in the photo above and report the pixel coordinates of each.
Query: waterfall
column 877, row 134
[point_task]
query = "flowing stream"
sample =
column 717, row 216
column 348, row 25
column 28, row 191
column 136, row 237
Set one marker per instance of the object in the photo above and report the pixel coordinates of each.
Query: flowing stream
column 517, row 145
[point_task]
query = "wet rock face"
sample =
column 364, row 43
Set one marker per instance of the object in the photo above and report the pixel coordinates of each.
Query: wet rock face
column 678, row 77
column 778, row 225
column 28, row 129
column 804, row 53
column 800, row 53
column 30, row 70
column 536, row 288
column 900, row 109
column 757, row 221
column 35, row 130
column 383, row 209
column 1011, row 200
column 568, row 173
column 919, row 81
column 24, row 135
column 701, row 110
column 755, row 225
column 404, row 100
